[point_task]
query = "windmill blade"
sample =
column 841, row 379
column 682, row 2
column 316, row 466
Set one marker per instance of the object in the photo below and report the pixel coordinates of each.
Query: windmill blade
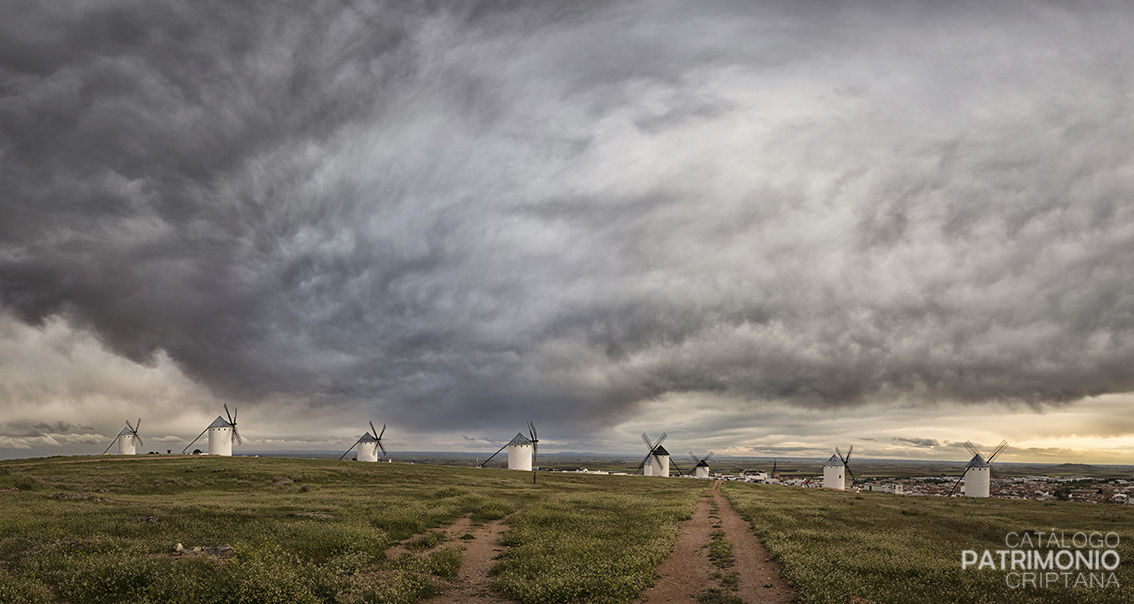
column 660, row 440
column 234, row 412
column 675, row 466
column 958, row 483
column 348, row 450
column 852, row 476
column 972, row 449
column 693, row 456
column 642, row 465
column 493, row 455
column 375, row 430
column 649, row 443
column 228, row 414
column 194, row 440
column 137, row 426
column 535, row 441
column 708, row 457
column 839, row 452
column 139, row 439
column 110, row 445
column 236, row 436
column 132, row 427
column 1003, row 445
column 383, row 448
column 849, row 451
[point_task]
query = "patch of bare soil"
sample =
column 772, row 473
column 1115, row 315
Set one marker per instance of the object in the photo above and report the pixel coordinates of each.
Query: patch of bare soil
column 471, row 584
column 760, row 580
column 685, row 573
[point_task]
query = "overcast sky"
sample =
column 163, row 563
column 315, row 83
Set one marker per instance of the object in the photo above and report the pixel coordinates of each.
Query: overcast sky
column 765, row 228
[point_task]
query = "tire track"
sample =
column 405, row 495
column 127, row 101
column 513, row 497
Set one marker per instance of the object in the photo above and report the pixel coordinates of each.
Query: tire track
column 685, row 573
column 760, row 580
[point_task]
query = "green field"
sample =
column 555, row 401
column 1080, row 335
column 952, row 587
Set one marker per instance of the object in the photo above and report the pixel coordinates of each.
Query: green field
column 102, row 529
column 841, row 546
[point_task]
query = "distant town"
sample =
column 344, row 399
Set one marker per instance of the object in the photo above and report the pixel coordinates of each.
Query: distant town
column 1036, row 488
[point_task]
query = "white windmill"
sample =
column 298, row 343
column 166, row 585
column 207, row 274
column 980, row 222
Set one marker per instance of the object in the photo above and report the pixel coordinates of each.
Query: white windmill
column 701, row 464
column 977, row 473
column 368, row 445
column 522, row 450
column 656, row 462
column 836, row 469
column 221, row 435
column 127, row 439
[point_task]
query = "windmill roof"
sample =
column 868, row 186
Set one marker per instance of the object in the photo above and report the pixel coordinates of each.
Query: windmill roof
column 367, row 438
column 520, row 439
column 660, row 450
column 125, row 432
column 220, row 422
column 702, row 464
column 977, row 462
column 834, row 461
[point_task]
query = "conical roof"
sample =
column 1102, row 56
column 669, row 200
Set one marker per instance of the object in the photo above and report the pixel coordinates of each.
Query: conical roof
column 125, row 432
column 660, row 450
column 702, row 464
column 368, row 438
column 520, row 439
column 977, row 462
column 834, row 461
column 220, row 422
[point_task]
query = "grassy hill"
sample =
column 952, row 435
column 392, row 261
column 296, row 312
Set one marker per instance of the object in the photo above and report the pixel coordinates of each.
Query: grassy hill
column 103, row 529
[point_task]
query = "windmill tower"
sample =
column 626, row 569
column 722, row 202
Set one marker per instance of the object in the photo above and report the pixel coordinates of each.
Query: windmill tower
column 127, row 439
column 836, row 469
column 221, row 435
column 368, row 445
column 522, row 450
column 656, row 462
column 977, row 472
column 701, row 464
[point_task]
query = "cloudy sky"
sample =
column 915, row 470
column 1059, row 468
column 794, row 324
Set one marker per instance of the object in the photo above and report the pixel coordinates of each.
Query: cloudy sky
column 764, row 228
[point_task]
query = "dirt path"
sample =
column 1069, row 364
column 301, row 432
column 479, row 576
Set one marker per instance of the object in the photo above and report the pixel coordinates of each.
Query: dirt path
column 687, row 572
column 753, row 564
column 471, row 584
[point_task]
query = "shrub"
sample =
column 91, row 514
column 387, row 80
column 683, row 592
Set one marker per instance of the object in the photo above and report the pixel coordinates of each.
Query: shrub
column 429, row 540
column 320, row 541
column 17, row 590
column 109, row 578
column 445, row 563
column 267, row 574
column 493, row 510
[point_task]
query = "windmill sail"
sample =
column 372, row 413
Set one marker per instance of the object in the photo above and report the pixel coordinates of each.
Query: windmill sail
column 657, row 457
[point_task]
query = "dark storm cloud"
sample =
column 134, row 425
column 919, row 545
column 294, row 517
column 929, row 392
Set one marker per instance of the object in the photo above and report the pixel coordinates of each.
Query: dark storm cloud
column 927, row 443
column 453, row 216
column 33, row 429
